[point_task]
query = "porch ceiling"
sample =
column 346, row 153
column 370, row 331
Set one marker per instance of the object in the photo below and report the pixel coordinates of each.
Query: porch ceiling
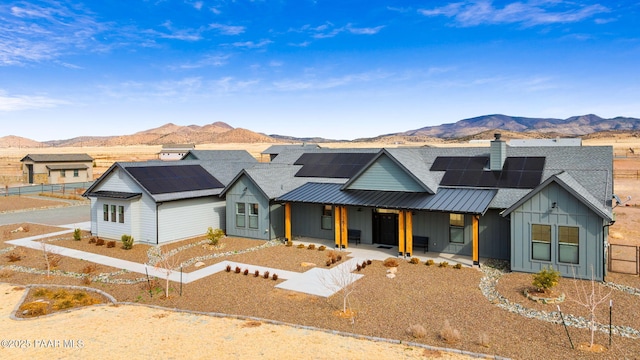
column 459, row 200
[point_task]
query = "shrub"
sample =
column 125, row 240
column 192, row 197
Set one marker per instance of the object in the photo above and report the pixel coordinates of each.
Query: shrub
column 275, row 277
column 246, row 271
column 256, row 273
column 35, row 308
column 54, row 260
column 77, row 234
column 483, row 340
column 111, row 244
column 457, row 266
column 430, row 262
column 368, row 262
column 358, row 267
column 311, row 247
column 288, row 243
column 301, row 246
column 444, row 264
column 449, row 334
column 414, row 260
column 328, row 262
column 228, row 268
column 127, row 242
column 99, row 242
column 238, row 270
column 321, row 248
column 214, row 236
column 546, row 279
column 338, row 257
column 13, row 257
column 86, row 280
column 364, row 264
column 266, row 275
column 89, row 268
column 93, row 240
column 332, row 256
column 417, row 331
column 390, row 262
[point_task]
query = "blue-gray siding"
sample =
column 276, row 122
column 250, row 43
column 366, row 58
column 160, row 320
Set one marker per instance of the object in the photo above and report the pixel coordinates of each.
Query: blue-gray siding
column 245, row 191
column 386, row 175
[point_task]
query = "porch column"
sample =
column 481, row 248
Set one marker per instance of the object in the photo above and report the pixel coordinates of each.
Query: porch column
column 337, row 231
column 408, row 233
column 401, row 239
column 343, row 227
column 474, row 241
column 287, row 221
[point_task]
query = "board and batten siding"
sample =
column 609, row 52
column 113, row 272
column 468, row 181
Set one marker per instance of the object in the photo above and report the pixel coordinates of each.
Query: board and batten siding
column 306, row 221
column 182, row 219
column 385, row 175
column 494, row 238
column 252, row 195
column 435, row 225
column 569, row 211
column 276, row 221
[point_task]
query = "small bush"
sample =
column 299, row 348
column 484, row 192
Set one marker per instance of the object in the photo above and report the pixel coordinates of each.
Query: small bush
column 364, row 264
column 246, row 271
column 301, row 246
column 86, row 280
column 228, row 268
column 111, row 244
column 54, row 260
column 99, row 242
column 77, row 234
column 90, row 268
column 332, row 256
column 457, row 266
column 430, row 262
column 266, row 275
column 358, row 267
column 238, row 270
column 483, row 340
column 368, row 262
column 390, row 262
column 443, row 264
column 417, row 331
column 546, row 279
column 321, row 248
column 214, row 236
column 414, row 260
column 288, row 243
column 274, row 276
column 449, row 334
column 256, row 273
column 338, row 257
column 311, row 247
column 328, row 262
column 93, row 240
column 13, row 257
column 127, row 241
column 36, row 308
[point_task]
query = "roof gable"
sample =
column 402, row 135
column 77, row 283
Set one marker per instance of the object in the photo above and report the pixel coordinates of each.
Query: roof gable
column 57, row 158
column 173, row 178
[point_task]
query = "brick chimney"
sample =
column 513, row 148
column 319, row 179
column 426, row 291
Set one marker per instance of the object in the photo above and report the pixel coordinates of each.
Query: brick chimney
column 498, row 153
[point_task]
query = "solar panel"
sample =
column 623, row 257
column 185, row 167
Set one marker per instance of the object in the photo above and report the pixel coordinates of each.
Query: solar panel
column 517, row 172
column 174, row 178
column 332, row 165
column 441, row 163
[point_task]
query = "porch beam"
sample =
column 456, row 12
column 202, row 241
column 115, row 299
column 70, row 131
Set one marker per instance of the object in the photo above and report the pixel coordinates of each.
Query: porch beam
column 409, row 232
column 287, row 222
column 401, row 239
column 474, row 239
column 344, row 225
column 337, row 232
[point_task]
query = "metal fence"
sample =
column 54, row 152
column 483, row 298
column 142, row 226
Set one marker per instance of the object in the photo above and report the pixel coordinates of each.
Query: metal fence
column 624, row 259
column 34, row 189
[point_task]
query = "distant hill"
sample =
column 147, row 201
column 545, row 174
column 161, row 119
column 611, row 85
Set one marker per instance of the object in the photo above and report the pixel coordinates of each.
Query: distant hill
column 18, row 141
column 573, row 126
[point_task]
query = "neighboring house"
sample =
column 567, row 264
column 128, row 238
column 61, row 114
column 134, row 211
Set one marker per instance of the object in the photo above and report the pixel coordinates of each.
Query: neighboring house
column 274, row 150
column 546, row 142
column 533, row 206
column 57, row 168
column 174, row 151
column 158, row 202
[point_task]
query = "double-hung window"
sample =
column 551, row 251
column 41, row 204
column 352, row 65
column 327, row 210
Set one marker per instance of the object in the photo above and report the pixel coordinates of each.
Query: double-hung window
column 105, row 212
column 121, row 214
column 240, row 215
column 253, row 216
column 541, row 242
column 456, row 228
column 326, row 219
column 568, row 244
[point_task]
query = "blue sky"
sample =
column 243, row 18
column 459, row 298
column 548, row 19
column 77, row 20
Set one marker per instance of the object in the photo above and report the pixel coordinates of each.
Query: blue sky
column 336, row 69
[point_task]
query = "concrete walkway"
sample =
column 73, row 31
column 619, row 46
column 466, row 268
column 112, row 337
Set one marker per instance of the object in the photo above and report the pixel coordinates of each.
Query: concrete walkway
column 315, row 281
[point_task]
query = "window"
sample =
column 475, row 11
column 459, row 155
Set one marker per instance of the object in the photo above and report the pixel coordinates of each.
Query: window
column 240, row 215
column 63, row 173
column 456, row 228
column 105, row 212
column 121, row 214
column 75, row 173
column 253, row 216
column 326, row 220
column 113, row 213
column 541, row 242
column 568, row 244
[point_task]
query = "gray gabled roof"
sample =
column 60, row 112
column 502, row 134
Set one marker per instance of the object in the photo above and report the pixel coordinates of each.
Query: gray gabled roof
column 220, row 155
column 469, row 201
column 574, row 188
column 58, row 158
column 277, row 149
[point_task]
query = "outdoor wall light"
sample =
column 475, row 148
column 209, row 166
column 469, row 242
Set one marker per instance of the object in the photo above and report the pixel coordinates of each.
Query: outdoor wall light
column 554, row 205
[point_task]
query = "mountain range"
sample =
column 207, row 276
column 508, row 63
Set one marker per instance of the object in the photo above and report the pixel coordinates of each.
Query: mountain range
column 481, row 127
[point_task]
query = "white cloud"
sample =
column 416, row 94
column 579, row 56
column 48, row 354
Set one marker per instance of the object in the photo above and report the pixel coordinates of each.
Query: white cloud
column 251, row 44
column 365, row 31
column 313, row 83
column 531, row 13
column 27, row 102
column 227, row 29
column 329, row 30
column 207, row 61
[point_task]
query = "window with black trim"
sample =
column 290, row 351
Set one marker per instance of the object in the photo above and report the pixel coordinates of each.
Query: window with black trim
column 568, row 244
column 63, row 173
column 541, row 242
column 105, row 212
column 326, row 219
column 456, row 228
column 240, row 215
column 121, row 214
column 113, row 213
column 75, row 173
column 253, row 216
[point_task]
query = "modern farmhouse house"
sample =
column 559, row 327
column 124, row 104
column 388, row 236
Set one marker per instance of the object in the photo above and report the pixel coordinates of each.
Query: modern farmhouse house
column 57, row 168
column 534, row 206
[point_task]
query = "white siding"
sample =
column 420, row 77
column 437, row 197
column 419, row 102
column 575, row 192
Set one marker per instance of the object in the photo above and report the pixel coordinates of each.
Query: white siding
column 187, row 218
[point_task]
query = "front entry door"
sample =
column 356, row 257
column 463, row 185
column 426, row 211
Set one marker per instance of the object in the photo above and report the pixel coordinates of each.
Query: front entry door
column 385, row 228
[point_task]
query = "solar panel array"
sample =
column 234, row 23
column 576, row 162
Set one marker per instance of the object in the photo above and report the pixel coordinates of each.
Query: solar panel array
column 516, row 173
column 332, row 165
column 174, row 178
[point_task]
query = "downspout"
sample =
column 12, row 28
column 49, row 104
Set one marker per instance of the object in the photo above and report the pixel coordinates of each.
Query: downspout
column 604, row 250
column 157, row 225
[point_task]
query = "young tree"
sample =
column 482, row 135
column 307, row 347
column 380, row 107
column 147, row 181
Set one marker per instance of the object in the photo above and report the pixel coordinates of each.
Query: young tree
column 51, row 258
column 167, row 263
column 341, row 279
column 590, row 299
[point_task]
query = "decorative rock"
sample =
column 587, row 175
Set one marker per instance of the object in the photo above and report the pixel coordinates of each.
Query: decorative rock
column 391, row 276
column 307, row 264
column 198, row 264
column 544, row 299
column 392, row 270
